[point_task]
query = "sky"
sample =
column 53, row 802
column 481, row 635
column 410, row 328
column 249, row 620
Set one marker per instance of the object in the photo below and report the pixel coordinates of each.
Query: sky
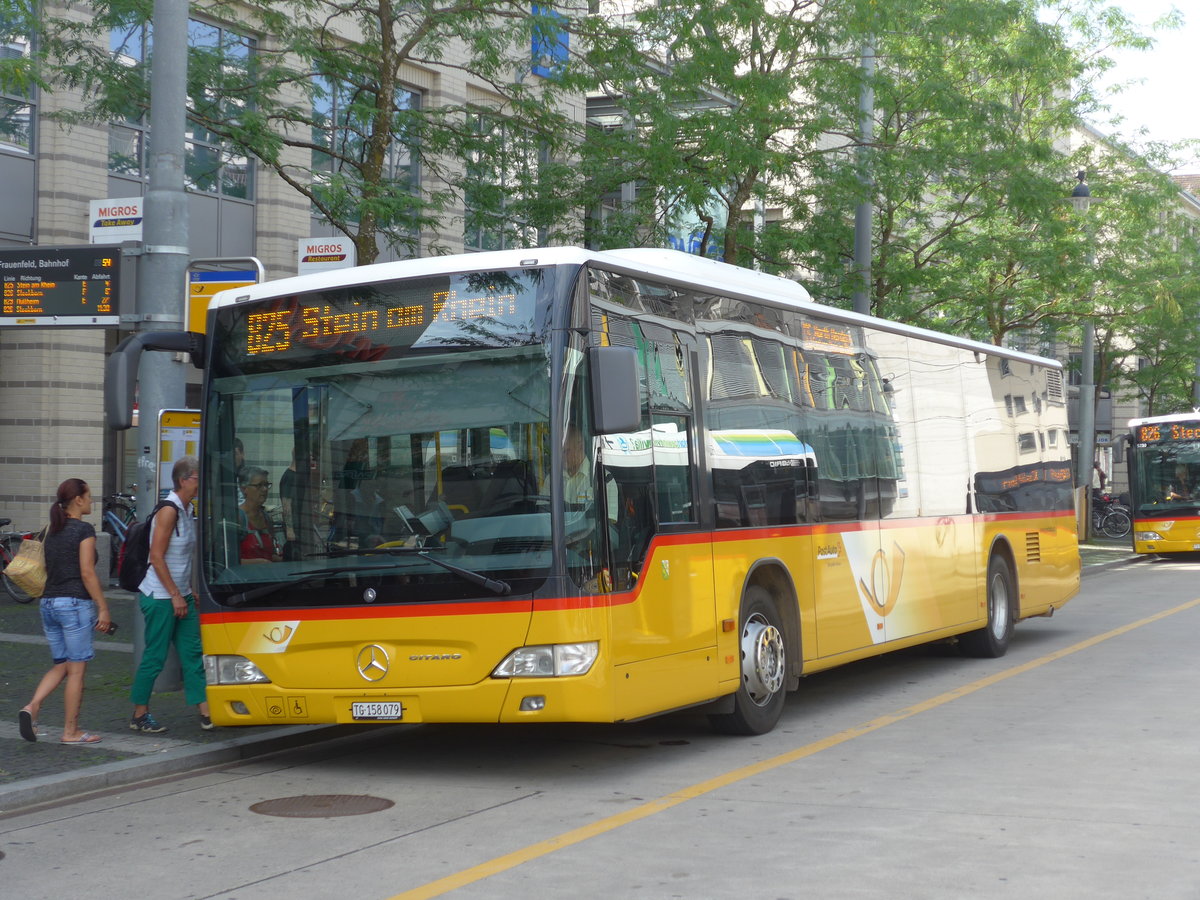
column 1165, row 102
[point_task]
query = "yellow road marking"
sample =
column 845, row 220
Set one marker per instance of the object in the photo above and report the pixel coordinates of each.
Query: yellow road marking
column 652, row 807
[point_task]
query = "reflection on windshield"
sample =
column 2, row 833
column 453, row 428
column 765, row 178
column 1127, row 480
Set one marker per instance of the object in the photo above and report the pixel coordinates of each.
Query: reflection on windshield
column 1168, row 476
column 445, row 453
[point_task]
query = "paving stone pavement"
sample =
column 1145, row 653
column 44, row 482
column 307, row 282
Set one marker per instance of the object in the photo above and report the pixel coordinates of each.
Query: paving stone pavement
column 47, row 770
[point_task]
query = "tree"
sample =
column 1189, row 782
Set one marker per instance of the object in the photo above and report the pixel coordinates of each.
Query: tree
column 973, row 105
column 325, row 103
column 1146, row 294
column 714, row 109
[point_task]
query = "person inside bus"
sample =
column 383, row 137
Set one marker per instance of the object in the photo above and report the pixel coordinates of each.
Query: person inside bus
column 257, row 544
column 1181, row 487
column 577, row 476
column 239, row 461
column 583, row 539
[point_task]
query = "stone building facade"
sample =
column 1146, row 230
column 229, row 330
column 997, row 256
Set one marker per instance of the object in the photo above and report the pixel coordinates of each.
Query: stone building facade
column 51, row 378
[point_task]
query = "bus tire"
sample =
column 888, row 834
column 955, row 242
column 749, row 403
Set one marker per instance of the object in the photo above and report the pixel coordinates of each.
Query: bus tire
column 758, row 703
column 992, row 640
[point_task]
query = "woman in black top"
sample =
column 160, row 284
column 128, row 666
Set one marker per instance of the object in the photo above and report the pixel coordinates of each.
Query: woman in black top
column 73, row 609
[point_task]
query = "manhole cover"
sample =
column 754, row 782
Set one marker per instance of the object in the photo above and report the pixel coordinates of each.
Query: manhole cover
column 320, row 806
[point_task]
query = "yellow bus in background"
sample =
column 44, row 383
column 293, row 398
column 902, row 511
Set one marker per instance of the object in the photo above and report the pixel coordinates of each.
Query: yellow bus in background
column 555, row 485
column 1164, row 483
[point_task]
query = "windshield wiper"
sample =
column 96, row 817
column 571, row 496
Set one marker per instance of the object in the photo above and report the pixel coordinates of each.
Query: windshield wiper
column 496, row 587
column 368, row 551
column 491, row 584
column 312, row 575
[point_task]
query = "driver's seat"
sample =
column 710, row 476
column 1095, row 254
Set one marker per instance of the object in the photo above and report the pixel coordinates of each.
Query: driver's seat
column 511, row 482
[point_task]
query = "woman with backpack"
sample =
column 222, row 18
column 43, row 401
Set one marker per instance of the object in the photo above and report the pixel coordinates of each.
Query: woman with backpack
column 168, row 603
column 73, row 609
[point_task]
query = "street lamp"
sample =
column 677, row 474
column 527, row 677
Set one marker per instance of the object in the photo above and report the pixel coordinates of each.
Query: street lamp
column 1082, row 200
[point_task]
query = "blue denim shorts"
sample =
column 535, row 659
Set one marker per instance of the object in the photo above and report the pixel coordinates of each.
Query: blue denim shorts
column 69, row 624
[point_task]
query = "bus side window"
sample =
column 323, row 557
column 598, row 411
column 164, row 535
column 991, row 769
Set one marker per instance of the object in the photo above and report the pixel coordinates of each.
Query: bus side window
column 634, row 526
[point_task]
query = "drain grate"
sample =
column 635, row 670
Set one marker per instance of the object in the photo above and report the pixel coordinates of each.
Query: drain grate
column 321, row 806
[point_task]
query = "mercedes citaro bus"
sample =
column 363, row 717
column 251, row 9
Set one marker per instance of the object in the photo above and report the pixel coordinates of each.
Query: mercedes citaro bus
column 555, row 485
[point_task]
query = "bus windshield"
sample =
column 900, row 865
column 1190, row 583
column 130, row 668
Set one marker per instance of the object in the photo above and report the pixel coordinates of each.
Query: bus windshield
column 1167, row 475
column 385, row 444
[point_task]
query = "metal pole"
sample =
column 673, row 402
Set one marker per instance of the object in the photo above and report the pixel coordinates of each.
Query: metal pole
column 162, row 277
column 162, row 287
column 865, row 211
column 1087, row 421
column 1087, row 393
column 1082, row 200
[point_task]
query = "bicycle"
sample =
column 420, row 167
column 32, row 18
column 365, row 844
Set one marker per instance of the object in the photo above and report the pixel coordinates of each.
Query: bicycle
column 120, row 514
column 10, row 543
column 1110, row 517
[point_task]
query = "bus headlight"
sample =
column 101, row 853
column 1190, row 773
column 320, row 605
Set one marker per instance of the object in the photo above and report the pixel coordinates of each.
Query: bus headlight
column 233, row 670
column 548, row 661
column 1147, row 536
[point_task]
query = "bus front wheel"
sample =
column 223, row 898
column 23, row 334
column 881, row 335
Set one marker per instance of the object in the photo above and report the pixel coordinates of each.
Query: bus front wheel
column 992, row 640
column 758, row 703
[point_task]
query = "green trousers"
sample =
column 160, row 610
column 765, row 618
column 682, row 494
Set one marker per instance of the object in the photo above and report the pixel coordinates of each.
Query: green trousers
column 162, row 630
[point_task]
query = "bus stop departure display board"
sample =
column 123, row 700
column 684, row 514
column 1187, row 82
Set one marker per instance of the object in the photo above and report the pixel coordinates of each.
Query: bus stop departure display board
column 69, row 286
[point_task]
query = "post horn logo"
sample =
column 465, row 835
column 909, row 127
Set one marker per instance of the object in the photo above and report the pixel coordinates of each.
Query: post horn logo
column 279, row 634
column 884, row 589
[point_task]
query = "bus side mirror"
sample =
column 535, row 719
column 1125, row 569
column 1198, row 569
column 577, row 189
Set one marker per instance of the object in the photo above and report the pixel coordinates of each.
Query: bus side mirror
column 1118, row 448
column 121, row 369
column 616, row 404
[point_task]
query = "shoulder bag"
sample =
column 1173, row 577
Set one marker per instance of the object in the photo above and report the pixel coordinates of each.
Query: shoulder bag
column 28, row 568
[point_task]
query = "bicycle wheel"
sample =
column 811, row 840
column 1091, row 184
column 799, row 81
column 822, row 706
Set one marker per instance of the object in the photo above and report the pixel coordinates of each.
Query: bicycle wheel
column 1117, row 523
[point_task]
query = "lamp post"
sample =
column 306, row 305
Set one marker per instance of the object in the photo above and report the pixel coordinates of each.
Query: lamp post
column 1082, row 200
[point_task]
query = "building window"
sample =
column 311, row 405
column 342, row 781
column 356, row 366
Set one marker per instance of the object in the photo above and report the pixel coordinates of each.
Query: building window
column 342, row 116
column 501, row 172
column 16, row 109
column 210, row 166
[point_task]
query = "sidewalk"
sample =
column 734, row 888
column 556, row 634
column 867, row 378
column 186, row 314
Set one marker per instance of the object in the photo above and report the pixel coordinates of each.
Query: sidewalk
column 47, row 770
column 1104, row 553
column 41, row 772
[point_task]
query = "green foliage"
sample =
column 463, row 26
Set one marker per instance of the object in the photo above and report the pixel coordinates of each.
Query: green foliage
column 1146, row 291
column 333, row 117
column 716, row 112
column 716, row 107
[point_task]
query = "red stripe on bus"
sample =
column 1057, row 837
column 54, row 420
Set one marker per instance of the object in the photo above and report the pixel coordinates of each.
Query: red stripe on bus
column 600, row 601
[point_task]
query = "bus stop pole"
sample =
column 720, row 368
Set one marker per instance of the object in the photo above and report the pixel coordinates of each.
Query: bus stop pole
column 162, row 288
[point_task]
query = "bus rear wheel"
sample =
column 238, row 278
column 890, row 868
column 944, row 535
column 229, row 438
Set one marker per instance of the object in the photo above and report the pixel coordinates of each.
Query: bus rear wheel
column 758, row 703
column 992, row 640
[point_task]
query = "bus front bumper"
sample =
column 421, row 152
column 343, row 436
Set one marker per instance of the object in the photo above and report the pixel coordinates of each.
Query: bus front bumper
column 579, row 699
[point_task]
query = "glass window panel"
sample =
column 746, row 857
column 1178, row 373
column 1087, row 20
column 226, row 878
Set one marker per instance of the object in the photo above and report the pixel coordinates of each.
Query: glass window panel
column 201, row 34
column 124, row 150
column 237, row 177
column 125, row 43
column 672, row 469
column 16, row 124
column 201, row 167
column 205, row 166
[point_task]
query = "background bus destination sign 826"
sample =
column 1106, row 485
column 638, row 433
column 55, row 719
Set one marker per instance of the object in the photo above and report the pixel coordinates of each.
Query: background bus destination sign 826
column 68, row 286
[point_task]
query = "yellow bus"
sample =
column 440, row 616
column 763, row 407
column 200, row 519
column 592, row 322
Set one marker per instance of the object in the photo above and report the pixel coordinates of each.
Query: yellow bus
column 555, row 485
column 1164, row 483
